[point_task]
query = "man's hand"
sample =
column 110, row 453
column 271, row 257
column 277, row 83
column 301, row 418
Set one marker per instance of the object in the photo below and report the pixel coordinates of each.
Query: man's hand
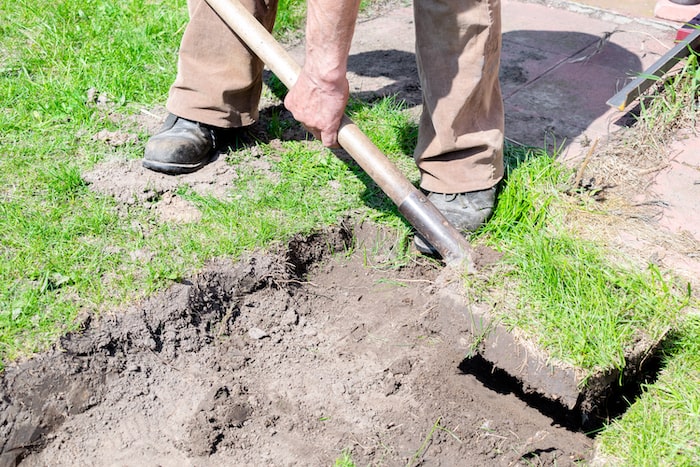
column 319, row 96
column 319, row 105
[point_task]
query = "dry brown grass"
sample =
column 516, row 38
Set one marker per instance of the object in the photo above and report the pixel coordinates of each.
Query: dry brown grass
column 616, row 181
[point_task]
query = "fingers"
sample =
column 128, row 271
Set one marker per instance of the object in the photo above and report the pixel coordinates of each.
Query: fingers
column 319, row 107
column 330, row 139
column 327, row 136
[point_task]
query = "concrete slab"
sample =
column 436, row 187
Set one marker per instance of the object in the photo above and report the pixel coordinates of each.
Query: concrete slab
column 612, row 11
column 559, row 67
column 666, row 9
column 523, row 64
column 679, row 186
column 555, row 99
column 635, row 8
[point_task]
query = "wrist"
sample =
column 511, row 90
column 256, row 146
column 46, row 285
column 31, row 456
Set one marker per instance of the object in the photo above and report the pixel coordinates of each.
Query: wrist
column 326, row 78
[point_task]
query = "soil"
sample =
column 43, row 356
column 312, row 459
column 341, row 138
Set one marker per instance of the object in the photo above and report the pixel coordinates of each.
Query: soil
column 285, row 357
column 282, row 358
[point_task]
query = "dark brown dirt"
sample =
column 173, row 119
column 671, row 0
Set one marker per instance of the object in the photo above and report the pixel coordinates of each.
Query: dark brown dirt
column 284, row 358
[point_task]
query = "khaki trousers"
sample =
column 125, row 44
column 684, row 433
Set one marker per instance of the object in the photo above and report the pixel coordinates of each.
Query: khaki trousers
column 458, row 43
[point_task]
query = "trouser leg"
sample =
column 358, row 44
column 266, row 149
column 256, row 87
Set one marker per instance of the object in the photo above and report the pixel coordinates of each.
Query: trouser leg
column 460, row 136
column 218, row 80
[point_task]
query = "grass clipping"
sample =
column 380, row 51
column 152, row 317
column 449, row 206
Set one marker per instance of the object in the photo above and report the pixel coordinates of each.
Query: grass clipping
column 578, row 301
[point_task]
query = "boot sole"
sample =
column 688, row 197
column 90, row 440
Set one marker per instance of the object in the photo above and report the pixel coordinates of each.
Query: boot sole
column 175, row 169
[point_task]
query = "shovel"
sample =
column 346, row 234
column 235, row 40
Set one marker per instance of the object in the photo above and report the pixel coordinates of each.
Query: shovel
column 411, row 202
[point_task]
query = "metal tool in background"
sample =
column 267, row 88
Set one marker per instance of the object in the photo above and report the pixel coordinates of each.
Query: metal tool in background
column 651, row 75
column 412, row 203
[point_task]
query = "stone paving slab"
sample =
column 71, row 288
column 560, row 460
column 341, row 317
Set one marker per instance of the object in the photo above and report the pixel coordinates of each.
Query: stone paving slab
column 593, row 58
column 675, row 187
column 635, row 8
column 678, row 185
column 666, row 9
column 525, row 65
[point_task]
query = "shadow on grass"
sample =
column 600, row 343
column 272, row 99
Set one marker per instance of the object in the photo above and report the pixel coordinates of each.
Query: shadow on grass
column 276, row 122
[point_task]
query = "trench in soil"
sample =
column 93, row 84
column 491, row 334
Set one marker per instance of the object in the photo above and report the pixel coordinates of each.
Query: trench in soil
column 283, row 358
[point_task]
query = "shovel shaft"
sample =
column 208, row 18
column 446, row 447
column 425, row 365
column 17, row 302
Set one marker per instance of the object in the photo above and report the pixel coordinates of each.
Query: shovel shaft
column 412, row 204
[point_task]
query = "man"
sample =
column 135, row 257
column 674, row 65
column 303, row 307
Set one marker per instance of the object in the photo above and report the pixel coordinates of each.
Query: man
column 460, row 138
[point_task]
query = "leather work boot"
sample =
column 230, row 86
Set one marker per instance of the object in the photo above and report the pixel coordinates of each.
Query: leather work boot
column 181, row 146
column 465, row 211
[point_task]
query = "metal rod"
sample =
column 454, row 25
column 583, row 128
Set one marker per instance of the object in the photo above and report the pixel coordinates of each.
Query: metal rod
column 640, row 84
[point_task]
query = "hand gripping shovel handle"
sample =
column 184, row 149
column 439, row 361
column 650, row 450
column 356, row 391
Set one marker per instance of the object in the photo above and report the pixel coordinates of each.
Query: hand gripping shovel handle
column 413, row 204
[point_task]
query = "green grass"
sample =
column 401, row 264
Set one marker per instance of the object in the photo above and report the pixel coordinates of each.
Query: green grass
column 344, row 460
column 291, row 15
column 663, row 426
column 581, row 304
